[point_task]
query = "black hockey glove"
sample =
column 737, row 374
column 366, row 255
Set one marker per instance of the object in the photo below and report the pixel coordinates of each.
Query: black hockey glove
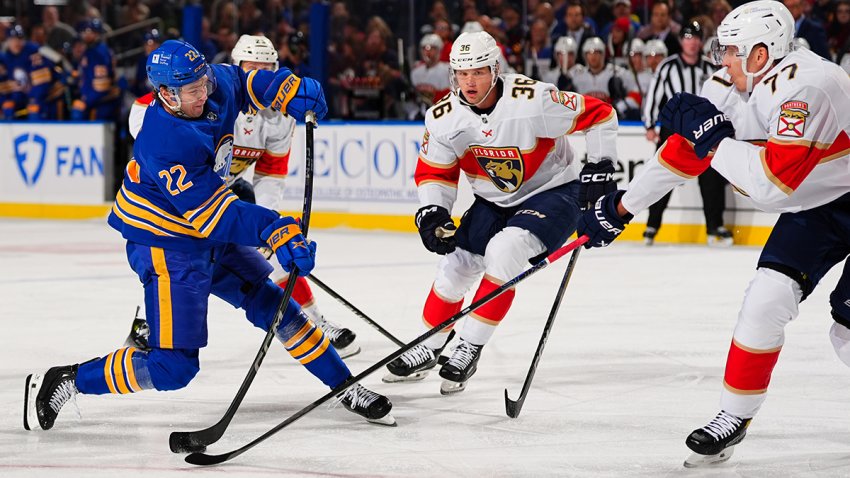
column 597, row 180
column 602, row 224
column 697, row 120
column 436, row 229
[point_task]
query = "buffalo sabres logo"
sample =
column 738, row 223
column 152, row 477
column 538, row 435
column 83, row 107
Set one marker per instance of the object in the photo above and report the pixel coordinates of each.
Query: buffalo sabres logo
column 504, row 166
column 792, row 119
column 223, row 156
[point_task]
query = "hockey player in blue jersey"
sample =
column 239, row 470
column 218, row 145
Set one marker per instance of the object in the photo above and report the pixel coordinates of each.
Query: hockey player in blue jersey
column 99, row 95
column 188, row 237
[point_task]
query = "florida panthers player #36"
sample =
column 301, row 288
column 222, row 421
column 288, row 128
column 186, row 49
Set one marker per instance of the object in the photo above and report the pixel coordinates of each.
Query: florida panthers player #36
column 188, row 237
column 799, row 106
column 507, row 135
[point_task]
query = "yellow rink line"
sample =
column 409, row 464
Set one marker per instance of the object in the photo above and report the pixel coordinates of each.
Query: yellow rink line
column 669, row 233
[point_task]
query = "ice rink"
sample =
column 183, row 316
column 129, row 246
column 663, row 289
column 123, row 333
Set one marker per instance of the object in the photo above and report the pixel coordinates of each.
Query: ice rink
column 634, row 363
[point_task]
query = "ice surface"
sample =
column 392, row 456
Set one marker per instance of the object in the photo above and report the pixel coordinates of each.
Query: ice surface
column 634, row 363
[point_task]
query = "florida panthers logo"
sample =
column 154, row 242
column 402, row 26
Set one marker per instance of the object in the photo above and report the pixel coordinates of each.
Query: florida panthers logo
column 223, row 155
column 504, row 166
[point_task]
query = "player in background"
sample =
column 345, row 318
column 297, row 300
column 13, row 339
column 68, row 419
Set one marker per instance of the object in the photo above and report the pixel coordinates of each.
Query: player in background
column 641, row 74
column 799, row 106
column 188, row 236
column 606, row 81
column 34, row 85
column 99, row 94
column 654, row 52
column 507, row 135
column 563, row 60
column 430, row 76
column 261, row 139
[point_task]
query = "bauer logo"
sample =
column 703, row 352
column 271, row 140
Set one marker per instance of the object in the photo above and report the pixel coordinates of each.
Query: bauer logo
column 30, row 152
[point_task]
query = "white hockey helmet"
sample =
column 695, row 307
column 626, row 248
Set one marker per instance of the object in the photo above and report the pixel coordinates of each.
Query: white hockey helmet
column 763, row 22
column 471, row 27
column 593, row 44
column 566, row 44
column 636, row 47
column 470, row 51
column 431, row 40
column 254, row 48
column 655, row 48
column 801, row 43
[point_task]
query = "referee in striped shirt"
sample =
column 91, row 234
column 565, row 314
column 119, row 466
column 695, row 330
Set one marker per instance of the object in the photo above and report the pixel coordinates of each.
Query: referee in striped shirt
column 684, row 72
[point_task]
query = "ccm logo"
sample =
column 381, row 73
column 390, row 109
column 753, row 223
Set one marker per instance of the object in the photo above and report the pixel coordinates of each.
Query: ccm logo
column 708, row 124
column 597, row 177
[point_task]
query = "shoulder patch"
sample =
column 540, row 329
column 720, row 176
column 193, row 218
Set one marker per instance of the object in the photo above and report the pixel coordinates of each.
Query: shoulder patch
column 424, row 146
column 792, row 119
column 564, row 98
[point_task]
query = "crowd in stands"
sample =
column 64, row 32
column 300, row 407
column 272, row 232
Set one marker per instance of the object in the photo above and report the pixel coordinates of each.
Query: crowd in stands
column 384, row 61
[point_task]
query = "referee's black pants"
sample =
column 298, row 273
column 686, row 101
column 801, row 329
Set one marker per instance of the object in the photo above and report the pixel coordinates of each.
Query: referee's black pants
column 712, row 188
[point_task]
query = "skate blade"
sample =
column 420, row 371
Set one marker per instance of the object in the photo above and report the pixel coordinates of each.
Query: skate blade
column 725, row 242
column 414, row 377
column 697, row 461
column 351, row 350
column 30, row 393
column 449, row 388
column 387, row 421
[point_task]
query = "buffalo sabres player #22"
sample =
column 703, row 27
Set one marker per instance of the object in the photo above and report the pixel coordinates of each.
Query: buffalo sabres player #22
column 188, row 237
column 799, row 106
column 261, row 138
column 507, row 134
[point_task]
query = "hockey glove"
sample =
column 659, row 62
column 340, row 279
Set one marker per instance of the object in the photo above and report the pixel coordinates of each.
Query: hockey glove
column 597, row 180
column 295, row 96
column 284, row 237
column 602, row 224
column 436, row 229
column 697, row 120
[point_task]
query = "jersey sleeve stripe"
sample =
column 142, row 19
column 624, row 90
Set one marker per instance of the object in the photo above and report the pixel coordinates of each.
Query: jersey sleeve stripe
column 438, row 165
column 437, row 181
column 213, row 222
column 250, row 83
column 157, row 220
column 677, row 155
column 140, row 201
column 594, row 112
column 425, row 172
column 138, row 223
column 194, row 213
column 271, row 164
column 787, row 164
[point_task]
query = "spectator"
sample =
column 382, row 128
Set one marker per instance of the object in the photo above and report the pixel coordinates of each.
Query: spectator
column 99, row 95
column 538, row 52
column 654, row 53
column 637, row 66
column 133, row 12
column 430, row 76
column 843, row 58
column 226, row 41
column 618, row 41
column 605, row 81
column 250, row 18
column 58, row 33
column 808, row 29
column 564, row 59
column 207, row 46
column 294, row 54
column 719, row 10
column 575, row 25
column 514, row 35
column 622, row 9
column 685, row 72
column 839, row 28
column 38, row 35
column 662, row 27
column 443, row 29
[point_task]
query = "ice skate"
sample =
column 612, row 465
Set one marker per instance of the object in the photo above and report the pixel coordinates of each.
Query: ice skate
column 374, row 407
column 720, row 237
column 341, row 338
column 649, row 235
column 139, row 333
column 715, row 442
column 45, row 394
column 412, row 365
column 460, row 367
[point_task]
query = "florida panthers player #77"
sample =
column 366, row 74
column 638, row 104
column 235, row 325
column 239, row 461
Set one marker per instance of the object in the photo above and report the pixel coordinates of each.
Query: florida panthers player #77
column 801, row 105
column 507, row 134
column 188, row 237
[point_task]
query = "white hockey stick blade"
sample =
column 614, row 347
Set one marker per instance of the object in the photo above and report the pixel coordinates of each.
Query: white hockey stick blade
column 698, row 461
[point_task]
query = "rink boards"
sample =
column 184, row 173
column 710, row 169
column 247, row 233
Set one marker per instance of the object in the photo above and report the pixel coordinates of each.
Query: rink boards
column 363, row 178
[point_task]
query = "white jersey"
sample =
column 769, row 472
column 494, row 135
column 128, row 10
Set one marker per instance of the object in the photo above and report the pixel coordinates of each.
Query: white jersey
column 800, row 112
column 517, row 150
column 596, row 85
column 644, row 80
column 433, row 82
column 261, row 139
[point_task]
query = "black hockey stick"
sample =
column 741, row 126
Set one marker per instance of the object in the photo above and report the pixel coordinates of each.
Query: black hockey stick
column 204, row 459
column 354, row 309
column 513, row 407
column 187, row 442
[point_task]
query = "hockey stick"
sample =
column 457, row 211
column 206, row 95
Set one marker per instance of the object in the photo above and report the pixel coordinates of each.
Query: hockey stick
column 354, row 309
column 513, row 407
column 183, row 442
column 204, row 459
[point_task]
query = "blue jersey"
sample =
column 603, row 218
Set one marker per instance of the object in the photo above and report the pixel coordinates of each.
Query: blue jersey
column 18, row 69
column 173, row 194
column 97, row 76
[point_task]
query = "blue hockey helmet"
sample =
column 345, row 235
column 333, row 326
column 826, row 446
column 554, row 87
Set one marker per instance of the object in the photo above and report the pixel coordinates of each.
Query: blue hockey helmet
column 16, row 31
column 93, row 24
column 176, row 64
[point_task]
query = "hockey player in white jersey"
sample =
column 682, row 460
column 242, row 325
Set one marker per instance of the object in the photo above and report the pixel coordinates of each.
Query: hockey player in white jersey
column 606, row 81
column 262, row 139
column 564, row 55
column 507, row 135
column 799, row 106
